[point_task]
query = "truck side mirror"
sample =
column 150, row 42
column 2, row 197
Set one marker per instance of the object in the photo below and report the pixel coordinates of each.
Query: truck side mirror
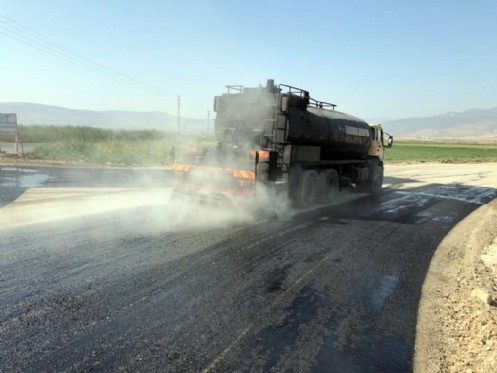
column 390, row 142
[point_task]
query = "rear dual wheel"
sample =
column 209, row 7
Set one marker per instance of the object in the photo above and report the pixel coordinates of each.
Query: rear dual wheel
column 329, row 184
column 316, row 188
column 307, row 189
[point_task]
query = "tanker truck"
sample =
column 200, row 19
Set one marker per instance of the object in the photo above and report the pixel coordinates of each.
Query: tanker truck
column 279, row 137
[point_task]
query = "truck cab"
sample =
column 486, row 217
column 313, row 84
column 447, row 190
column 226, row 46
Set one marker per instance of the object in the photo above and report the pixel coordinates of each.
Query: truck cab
column 377, row 148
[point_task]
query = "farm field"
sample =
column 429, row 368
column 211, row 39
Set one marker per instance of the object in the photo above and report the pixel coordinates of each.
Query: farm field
column 440, row 152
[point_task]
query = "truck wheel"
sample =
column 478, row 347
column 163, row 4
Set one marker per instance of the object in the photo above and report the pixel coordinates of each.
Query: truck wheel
column 328, row 185
column 377, row 181
column 308, row 189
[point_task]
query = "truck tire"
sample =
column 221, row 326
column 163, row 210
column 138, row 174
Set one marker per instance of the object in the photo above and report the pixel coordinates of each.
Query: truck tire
column 329, row 183
column 377, row 180
column 308, row 189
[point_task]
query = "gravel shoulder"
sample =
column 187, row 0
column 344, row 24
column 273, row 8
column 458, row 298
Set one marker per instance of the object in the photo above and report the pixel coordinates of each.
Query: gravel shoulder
column 457, row 318
column 457, row 315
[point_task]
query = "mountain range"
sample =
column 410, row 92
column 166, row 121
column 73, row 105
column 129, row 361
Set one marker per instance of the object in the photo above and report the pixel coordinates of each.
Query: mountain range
column 32, row 114
column 480, row 123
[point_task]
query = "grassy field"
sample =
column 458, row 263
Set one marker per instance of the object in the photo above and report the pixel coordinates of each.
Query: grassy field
column 151, row 148
column 418, row 151
column 102, row 146
column 120, row 152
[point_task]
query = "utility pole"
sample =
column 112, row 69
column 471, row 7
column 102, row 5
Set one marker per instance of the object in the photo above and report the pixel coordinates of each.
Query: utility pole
column 179, row 122
column 208, row 118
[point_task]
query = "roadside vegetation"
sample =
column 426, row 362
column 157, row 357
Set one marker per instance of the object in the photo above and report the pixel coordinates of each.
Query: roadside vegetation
column 104, row 146
column 441, row 152
column 153, row 148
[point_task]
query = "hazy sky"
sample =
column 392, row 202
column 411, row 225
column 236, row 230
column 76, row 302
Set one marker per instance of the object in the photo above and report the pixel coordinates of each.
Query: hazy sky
column 374, row 59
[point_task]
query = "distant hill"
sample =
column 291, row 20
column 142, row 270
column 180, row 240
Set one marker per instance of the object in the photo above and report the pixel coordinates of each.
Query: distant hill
column 469, row 123
column 30, row 114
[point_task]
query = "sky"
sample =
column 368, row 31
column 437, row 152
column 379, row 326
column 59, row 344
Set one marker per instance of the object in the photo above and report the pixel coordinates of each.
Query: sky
column 378, row 60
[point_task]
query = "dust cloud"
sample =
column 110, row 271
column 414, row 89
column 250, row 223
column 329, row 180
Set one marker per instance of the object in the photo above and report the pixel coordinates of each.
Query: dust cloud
column 211, row 211
column 154, row 208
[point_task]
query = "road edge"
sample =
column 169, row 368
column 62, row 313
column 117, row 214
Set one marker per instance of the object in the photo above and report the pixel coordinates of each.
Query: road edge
column 449, row 313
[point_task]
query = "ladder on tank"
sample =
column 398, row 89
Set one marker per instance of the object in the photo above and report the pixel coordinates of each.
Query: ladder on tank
column 276, row 141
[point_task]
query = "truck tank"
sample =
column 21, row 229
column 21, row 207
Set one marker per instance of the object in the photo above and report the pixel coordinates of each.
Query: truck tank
column 244, row 119
column 339, row 135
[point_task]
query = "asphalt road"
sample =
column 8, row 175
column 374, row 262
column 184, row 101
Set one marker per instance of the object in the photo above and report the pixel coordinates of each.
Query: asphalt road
column 100, row 271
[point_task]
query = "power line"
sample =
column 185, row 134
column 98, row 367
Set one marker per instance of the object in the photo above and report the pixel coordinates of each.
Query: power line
column 47, row 45
column 64, row 58
column 27, row 36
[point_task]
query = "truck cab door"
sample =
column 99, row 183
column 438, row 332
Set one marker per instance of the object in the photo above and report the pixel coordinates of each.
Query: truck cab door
column 377, row 149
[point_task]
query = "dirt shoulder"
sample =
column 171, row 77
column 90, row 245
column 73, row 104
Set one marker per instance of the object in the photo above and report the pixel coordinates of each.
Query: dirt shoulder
column 457, row 316
column 25, row 162
column 39, row 163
